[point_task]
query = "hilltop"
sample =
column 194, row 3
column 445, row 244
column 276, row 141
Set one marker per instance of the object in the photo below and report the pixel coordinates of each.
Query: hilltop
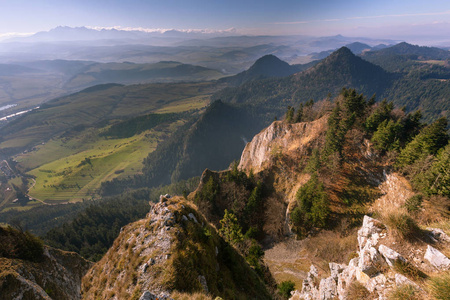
column 341, row 68
column 265, row 67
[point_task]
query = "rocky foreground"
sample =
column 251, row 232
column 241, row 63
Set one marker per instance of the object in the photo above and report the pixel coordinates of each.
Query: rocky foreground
column 378, row 269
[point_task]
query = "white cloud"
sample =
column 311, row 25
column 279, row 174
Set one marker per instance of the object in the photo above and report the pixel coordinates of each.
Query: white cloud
column 8, row 35
column 163, row 30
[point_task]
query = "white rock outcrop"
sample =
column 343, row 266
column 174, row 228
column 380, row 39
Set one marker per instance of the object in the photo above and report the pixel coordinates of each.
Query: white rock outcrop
column 373, row 258
column 437, row 258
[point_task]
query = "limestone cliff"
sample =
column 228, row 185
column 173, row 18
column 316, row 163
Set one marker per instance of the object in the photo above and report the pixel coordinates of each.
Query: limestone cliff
column 281, row 138
column 56, row 276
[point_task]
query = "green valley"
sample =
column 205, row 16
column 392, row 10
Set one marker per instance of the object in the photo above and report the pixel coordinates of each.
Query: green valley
column 70, row 145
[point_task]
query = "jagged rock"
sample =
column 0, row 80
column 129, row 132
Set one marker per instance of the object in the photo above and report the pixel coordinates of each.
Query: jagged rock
column 437, row 258
column 369, row 232
column 377, row 283
column 390, row 255
column 439, row 235
column 279, row 136
column 346, row 277
column 153, row 244
column 23, row 279
column 327, row 288
column 310, row 289
column 203, row 282
column 149, row 296
column 369, row 260
column 336, row 269
column 313, row 271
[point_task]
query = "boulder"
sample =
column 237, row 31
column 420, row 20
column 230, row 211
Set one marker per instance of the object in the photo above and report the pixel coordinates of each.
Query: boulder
column 192, row 217
column 437, row 258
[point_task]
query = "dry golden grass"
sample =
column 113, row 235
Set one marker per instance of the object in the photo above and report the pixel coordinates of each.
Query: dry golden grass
column 405, row 292
column 188, row 296
column 356, row 291
column 330, row 246
column 439, row 286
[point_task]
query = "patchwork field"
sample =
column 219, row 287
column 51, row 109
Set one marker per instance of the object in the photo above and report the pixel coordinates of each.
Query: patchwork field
column 74, row 174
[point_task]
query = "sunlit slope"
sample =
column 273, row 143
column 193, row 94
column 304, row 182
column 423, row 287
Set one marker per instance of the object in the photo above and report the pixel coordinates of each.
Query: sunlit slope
column 75, row 176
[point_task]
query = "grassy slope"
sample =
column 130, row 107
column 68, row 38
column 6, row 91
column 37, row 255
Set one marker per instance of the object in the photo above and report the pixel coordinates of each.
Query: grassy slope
column 61, row 174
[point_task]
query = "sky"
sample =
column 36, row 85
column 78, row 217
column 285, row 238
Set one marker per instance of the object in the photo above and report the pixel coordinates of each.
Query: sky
column 370, row 18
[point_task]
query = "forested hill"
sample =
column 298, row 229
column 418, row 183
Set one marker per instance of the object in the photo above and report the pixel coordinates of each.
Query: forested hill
column 403, row 79
column 340, row 69
column 266, row 67
column 414, row 51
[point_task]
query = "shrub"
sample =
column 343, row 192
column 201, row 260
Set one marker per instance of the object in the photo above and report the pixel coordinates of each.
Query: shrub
column 230, row 229
column 285, row 288
column 439, row 286
column 403, row 225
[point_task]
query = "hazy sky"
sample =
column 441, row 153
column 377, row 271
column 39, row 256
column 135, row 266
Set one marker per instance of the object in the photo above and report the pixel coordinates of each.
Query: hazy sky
column 378, row 18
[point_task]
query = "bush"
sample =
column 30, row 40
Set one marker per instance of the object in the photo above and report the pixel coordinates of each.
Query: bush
column 285, row 288
column 403, row 225
column 439, row 286
column 230, row 229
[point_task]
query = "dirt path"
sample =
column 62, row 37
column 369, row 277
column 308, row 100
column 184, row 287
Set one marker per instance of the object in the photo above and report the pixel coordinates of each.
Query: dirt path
column 286, row 261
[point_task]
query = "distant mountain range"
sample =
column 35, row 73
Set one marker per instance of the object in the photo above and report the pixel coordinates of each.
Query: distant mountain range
column 356, row 48
column 386, row 74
